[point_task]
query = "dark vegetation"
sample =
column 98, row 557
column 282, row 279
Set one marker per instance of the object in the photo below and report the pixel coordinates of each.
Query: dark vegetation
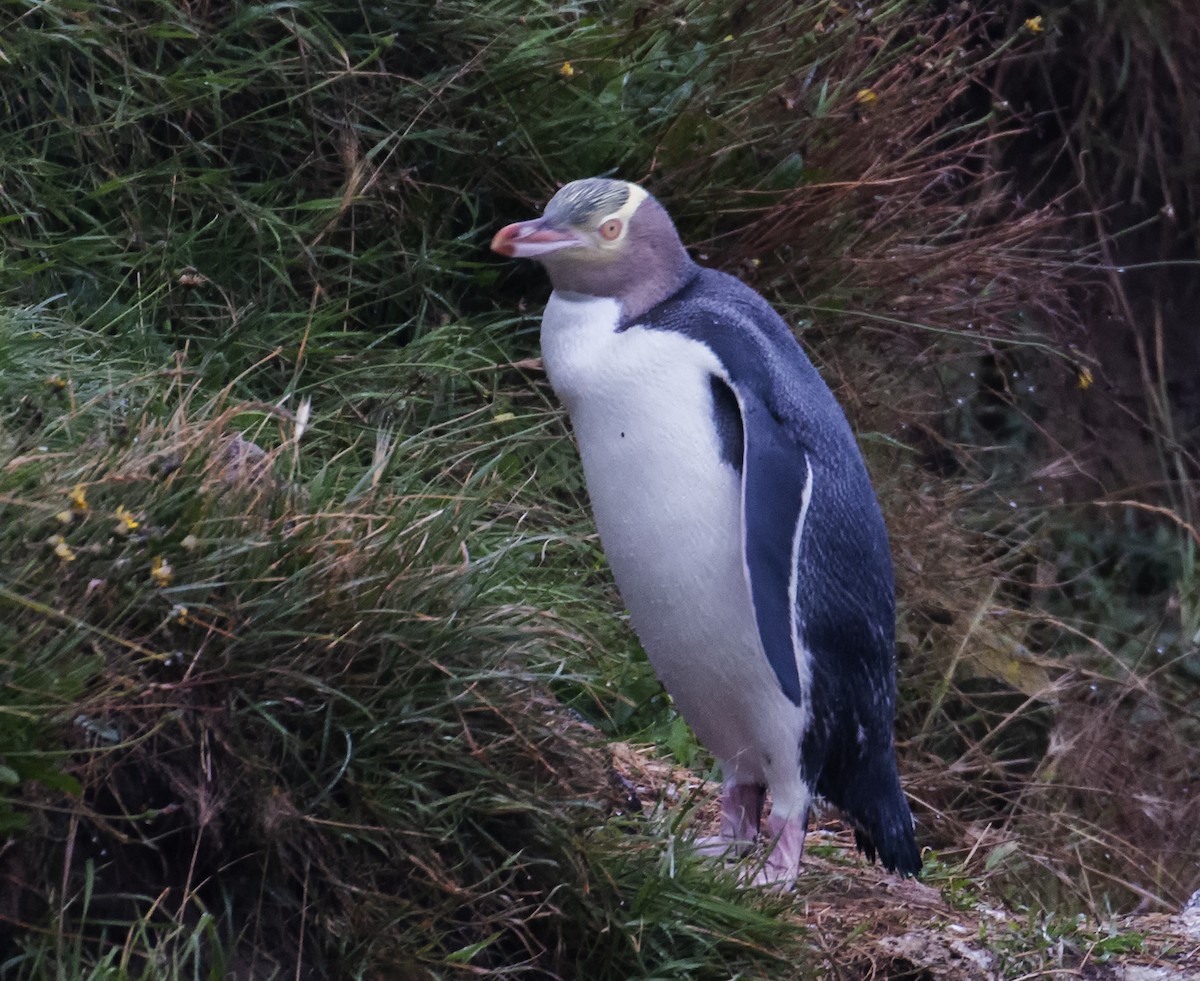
column 307, row 648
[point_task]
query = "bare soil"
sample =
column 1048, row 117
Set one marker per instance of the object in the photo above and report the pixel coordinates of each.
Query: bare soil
column 865, row 923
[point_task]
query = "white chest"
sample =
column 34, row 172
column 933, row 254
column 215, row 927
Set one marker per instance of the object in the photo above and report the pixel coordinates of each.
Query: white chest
column 640, row 401
column 667, row 508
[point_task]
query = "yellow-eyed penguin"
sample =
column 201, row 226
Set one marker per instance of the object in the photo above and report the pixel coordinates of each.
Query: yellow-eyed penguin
column 735, row 509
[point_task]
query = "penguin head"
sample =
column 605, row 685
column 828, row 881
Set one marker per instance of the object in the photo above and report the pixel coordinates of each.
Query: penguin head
column 606, row 238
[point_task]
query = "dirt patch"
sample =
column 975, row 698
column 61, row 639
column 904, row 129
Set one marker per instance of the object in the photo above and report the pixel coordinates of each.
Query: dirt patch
column 868, row 925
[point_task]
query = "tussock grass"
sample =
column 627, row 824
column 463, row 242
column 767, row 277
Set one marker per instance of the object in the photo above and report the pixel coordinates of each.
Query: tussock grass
column 333, row 707
column 305, row 713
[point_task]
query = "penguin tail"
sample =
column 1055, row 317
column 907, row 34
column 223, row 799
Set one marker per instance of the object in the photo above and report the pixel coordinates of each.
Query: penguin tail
column 883, row 823
column 893, row 844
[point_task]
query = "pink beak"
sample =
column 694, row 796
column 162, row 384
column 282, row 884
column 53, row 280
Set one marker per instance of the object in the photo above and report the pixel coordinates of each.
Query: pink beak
column 528, row 239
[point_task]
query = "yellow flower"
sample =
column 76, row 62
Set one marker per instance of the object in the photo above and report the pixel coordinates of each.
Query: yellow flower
column 161, row 571
column 1084, row 379
column 865, row 96
column 78, row 498
column 125, row 519
column 56, row 381
column 61, row 548
column 1034, row 25
column 65, row 516
column 566, row 71
column 504, row 417
column 180, row 613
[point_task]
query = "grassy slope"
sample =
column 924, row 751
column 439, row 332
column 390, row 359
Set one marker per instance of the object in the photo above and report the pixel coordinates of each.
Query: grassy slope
column 319, row 707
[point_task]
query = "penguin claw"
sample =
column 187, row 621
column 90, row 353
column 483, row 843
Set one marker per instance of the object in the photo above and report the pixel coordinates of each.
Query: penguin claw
column 719, row 846
column 774, row 875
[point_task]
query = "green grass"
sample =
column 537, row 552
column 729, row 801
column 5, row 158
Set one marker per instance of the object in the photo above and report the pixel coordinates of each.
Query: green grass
column 331, row 712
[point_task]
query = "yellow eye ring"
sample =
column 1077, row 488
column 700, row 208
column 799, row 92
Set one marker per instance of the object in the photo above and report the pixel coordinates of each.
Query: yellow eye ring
column 611, row 229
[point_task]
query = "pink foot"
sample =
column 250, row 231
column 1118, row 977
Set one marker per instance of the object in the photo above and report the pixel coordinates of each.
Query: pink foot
column 741, row 810
column 786, row 846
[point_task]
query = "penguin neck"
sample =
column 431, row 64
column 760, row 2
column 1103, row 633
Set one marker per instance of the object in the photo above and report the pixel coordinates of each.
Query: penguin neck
column 640, row 299
column 636, row 299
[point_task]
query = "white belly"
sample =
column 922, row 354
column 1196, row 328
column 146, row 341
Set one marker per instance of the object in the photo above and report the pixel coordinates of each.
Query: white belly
column 669, row 515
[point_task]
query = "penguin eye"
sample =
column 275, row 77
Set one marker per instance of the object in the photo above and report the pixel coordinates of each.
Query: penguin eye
column 610, row 229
